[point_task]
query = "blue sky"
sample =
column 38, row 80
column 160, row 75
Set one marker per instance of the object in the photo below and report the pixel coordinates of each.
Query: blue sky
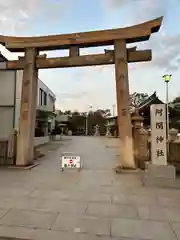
column 81, row 87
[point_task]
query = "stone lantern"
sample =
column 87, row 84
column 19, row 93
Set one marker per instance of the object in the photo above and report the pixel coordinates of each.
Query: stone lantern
column 140, row 139
column 97, row 127
column 137, row 120
column 173, row 134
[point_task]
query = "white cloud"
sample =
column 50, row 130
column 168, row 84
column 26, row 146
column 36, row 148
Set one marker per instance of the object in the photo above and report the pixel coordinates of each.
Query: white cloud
column 79, row 88
column 15, row 14
column 140, row 9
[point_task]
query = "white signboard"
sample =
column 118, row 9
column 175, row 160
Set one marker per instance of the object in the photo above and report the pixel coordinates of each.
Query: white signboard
column 71, row 161
column 158, row 134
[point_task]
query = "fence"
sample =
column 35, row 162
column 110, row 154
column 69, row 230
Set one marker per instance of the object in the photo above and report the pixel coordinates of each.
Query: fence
column 8, row 150
column 3, row 151
column 12, row 148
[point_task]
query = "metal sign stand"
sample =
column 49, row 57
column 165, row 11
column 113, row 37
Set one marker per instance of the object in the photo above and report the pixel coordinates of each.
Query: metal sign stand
column 71, row 160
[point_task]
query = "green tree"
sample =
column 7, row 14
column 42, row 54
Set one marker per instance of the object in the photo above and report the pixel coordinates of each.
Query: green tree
column 68, row 112
column 137, row 98
column 176, row 100
column 78, row 120
column 76, row 113
column 104, row 112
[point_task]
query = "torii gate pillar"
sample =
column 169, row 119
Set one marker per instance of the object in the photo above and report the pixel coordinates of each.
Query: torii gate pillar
column 124, row 118
column 25, row 146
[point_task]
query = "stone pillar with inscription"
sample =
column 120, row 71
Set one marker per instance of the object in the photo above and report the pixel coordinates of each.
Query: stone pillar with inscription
column 158, row 172
column 25, row 146
column 158, row 134
column 124, row 118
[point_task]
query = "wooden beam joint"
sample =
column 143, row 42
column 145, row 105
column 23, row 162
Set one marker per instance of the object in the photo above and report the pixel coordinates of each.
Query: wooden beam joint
column 74, row 51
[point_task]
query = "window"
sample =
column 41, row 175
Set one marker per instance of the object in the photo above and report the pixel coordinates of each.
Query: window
column 40, row 97
column 51, row 101
column 45, row 98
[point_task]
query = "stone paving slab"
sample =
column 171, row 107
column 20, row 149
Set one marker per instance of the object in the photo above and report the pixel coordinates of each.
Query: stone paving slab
column 84, row 224
column 6, row 202
column 27, row 203
column 170, row 214
column 63, row 206
column 142, row 229
column 9, row 238
column 108, row 210
column 73, row 195
column 9, row 192
column 3, row 212
column 49, row 193
column 134, row 199
column 173, row 201
column 39, row 234
column 176, row 228
column 25, row 218
column 88, row 196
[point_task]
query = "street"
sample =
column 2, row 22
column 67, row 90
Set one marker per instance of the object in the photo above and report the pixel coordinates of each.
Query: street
column 95, row 203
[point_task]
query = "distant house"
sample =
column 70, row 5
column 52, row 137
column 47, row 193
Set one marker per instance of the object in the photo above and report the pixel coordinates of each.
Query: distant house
column 144, row 107
column 144, row 110
column 10, row 103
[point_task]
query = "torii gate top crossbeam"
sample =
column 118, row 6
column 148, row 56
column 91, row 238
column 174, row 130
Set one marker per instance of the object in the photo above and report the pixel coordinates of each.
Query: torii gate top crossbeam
column 137, row 33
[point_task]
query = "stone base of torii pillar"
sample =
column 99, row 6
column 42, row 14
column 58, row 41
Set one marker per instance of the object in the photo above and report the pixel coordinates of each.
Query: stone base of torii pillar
column 160, row 176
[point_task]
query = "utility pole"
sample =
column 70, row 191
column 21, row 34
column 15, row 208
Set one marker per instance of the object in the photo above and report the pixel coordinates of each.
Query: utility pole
column 167, row 79
column 113, row 108
column 87, row 115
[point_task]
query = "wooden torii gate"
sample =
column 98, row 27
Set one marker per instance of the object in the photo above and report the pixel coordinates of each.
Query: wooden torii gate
column 120, row 56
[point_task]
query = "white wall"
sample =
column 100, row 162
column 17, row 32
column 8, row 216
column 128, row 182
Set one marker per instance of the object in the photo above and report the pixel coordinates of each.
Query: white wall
column 50, row 95
column 10, row 96
column 6, row 121
column 7, row 88
column 7, row 99
column 19, row 75
column 50, row 103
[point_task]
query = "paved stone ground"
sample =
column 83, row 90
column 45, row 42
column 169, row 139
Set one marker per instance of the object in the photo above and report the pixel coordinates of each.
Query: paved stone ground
column 45, row 203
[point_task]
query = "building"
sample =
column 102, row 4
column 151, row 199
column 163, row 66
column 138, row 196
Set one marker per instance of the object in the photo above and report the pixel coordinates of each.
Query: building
column 10, row 103
column 45, row 114
column 174, row 111
column 143, row 109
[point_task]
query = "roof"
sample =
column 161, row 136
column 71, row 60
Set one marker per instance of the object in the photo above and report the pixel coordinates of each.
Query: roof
column 111, row 117
column 3, row 58
column 153, row 99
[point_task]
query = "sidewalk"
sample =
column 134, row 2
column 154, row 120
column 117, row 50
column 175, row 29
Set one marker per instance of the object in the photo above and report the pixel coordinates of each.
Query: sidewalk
column 95, row 203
